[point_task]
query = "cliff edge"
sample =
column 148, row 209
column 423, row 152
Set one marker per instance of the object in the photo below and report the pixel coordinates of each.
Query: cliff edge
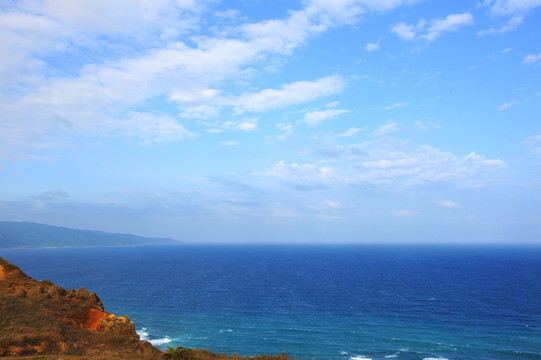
column 40, row 318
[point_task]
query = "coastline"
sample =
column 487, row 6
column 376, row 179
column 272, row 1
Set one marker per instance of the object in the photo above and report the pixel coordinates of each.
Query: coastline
column 41, row 320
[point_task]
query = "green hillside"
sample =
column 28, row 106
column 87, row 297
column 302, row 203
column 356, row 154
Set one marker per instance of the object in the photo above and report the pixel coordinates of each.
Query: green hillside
column 32, row 235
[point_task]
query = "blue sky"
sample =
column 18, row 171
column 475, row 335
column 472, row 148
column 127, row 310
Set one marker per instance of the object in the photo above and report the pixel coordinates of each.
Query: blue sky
column 356, row 121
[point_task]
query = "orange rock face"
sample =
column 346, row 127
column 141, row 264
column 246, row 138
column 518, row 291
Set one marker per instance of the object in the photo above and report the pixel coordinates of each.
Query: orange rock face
column 93, row 319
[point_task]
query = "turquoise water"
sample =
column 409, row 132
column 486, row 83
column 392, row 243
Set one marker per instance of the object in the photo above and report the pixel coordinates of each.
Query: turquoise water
column 327, row 302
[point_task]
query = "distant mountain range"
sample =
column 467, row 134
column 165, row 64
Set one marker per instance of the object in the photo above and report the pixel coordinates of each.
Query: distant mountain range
column 33, row 235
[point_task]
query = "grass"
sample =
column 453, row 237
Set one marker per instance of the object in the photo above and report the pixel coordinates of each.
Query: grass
column 182, row 353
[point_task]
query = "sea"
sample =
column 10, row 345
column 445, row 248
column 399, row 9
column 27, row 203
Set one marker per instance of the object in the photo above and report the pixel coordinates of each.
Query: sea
column 326, row 302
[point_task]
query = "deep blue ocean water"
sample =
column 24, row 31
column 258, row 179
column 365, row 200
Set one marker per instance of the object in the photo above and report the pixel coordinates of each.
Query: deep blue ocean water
column 322, row 302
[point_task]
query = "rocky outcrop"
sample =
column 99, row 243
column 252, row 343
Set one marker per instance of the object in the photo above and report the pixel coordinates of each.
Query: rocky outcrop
column 40, row 318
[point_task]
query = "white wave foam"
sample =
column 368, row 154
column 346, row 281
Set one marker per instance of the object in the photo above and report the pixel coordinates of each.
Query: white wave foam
column 360, row 358
column 158, row 342
column 144, row 335
column 393, row 356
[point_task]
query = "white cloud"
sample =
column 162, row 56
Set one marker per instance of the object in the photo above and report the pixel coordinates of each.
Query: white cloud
column 289, row 94
column 52, row 195
column 193, row 95
column 378, row 164
column 333, row 104
column 507, row 105
column 199, row 112
column 229, row 14
column 391, row 126
column 449, row 204
column 119, row 17
column 514, row 9
column 371, row 47
column 511, row 25
column 245, row 124
column 427, row 125
column 534, row 142
column 150, row 128
column 421, row 125
column 132, row 54
column 214, row 131
column 300, row 176
column 405, row 31
column 511, row 7
column 284, row 127
column 451, row 23
column 531, row 59
column 395, row 105
column 351, row 132
column 388, row 161
column 333, row 204
column 39, row 27
column 433, row 29
column 124, row 55
column 229, row 143
column 314, row 118
column 402, row 213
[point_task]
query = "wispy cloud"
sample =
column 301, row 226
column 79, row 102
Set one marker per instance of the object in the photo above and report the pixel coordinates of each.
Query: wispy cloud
column 402, row 213
column 333, row 204
column 229, row 143
column 105, row 82
column 514, row 10
column 431, row 30
column 289, row 94
column 385, row 129
column 534, row 143
column 507, row 105
column 246, row 124
column 532, row 59
column 52, row 195
column 352, row 132
column 300, row 176
column 511, row 7
column 451, row 23
column 449, row 204
column 150, row 128
column 389, row 163
column 397, row 104
column 314, row 118
column 371, row 47
column 511, row 25
column 408, row 32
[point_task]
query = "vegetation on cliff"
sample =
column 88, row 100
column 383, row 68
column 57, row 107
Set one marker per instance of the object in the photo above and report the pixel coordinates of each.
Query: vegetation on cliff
column 182, row 353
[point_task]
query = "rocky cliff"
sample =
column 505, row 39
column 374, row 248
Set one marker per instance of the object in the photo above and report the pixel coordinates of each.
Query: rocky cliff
column 40, row 318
